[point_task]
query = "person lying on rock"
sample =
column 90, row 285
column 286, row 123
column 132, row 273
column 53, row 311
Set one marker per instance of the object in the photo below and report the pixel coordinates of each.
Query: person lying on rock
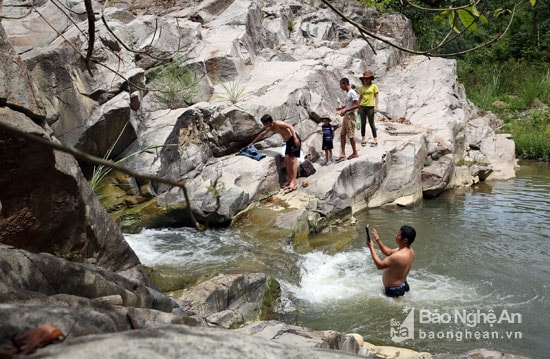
column 398, row 261
column 292, row 151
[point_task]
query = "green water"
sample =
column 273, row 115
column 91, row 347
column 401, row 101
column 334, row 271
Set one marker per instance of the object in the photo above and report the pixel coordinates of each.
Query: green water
column 482, row 252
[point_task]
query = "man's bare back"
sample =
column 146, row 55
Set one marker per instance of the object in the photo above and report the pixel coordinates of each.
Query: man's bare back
column 282, row 129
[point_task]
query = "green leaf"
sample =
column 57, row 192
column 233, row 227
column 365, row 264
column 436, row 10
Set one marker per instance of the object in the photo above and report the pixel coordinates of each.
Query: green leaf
column 473, row 10
column 484, row 19
column 502, row 12
column 452, row 21
column 467, row 20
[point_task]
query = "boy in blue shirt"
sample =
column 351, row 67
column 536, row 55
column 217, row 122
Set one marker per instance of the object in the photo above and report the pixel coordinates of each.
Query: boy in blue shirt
column 328, row 136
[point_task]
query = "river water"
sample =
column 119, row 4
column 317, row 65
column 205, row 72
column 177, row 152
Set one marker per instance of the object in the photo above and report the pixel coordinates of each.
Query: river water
column 480, row 278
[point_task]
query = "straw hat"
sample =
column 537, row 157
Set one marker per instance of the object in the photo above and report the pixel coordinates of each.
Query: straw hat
column 367, row 75
column 325, row 117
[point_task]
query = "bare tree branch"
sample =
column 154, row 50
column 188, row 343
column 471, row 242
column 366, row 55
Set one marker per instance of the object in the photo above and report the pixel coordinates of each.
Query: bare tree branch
column 361, row 29
column 497, row 38
column 64, row 8
column 430, row 52
column 91, row 34
column 453, row 8
column 137, row 51
column 108, row 163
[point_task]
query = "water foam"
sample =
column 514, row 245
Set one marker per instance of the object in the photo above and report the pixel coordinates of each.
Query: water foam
column 172, row 247
column 346, row 275
column 335, row 277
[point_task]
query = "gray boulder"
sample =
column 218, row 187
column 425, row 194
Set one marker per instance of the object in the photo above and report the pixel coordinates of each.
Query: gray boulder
column 47, row 204
column 179, row 342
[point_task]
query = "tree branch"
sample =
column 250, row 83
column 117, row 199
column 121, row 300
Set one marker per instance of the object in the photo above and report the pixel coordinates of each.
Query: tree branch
column 430, row 52
column 102, row 162
column 91, row 34
column 453, row 8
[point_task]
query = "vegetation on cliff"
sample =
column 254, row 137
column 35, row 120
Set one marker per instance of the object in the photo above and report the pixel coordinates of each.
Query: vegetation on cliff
column 511, row 77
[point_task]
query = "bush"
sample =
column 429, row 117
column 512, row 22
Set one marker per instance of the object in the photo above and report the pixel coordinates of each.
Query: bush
column 532, row 135
column 520, row 85
column 233, row 91
column 174, row 85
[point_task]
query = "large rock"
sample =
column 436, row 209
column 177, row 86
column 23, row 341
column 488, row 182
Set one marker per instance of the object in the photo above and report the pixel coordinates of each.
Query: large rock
column 15, row 89
column 47, row 204
column 78, row 298
column 182, row 342
column 232, row 300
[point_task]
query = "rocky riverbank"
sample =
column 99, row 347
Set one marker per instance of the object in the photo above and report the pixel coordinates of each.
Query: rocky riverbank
column 100, row 313
column 64, row 261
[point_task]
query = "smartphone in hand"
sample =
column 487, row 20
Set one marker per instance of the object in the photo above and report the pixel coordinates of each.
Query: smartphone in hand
column 368, row 233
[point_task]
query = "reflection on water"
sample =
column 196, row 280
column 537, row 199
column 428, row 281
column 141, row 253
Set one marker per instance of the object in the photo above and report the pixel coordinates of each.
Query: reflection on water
column 482, row 248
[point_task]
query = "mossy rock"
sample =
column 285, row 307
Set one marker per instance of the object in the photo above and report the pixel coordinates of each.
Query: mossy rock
column 151, row 214
column 269, row 301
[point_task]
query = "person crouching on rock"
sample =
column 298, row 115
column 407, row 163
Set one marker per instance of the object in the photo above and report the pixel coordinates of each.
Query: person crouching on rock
column 398, row 262
column 292, row 150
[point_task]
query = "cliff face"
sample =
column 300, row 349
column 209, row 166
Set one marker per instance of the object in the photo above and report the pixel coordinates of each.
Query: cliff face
column 249, row 58
column 46, row 203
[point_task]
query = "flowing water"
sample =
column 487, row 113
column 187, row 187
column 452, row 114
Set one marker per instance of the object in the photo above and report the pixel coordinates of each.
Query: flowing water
column 480, row 277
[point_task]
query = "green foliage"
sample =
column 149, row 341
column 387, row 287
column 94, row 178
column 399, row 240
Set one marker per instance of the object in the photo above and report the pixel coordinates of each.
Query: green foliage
column 100, row 172
column 466, row 18
column 484, row 21
column 517, row 83
column 510, row 90
column 174, row 85
column 72, row 256
column 379, row 4
column 290, row 26
column 233, row 91
column 532, row 136
column 269, row 300
column 216, row 188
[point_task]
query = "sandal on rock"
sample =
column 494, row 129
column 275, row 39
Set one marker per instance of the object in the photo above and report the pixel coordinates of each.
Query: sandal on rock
column 290, row 189
column 352, row 157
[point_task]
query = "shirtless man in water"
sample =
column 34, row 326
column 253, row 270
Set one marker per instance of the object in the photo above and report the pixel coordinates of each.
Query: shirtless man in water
column 292, row 151
column 398, row 262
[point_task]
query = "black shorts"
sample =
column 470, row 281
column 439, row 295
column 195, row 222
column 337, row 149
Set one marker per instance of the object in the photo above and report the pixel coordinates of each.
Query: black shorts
column 291, row 148
column 398, row 291
column 327, row 145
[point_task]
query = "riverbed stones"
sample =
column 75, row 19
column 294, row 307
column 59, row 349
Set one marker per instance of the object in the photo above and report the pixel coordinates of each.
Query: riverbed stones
column 232, row 300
